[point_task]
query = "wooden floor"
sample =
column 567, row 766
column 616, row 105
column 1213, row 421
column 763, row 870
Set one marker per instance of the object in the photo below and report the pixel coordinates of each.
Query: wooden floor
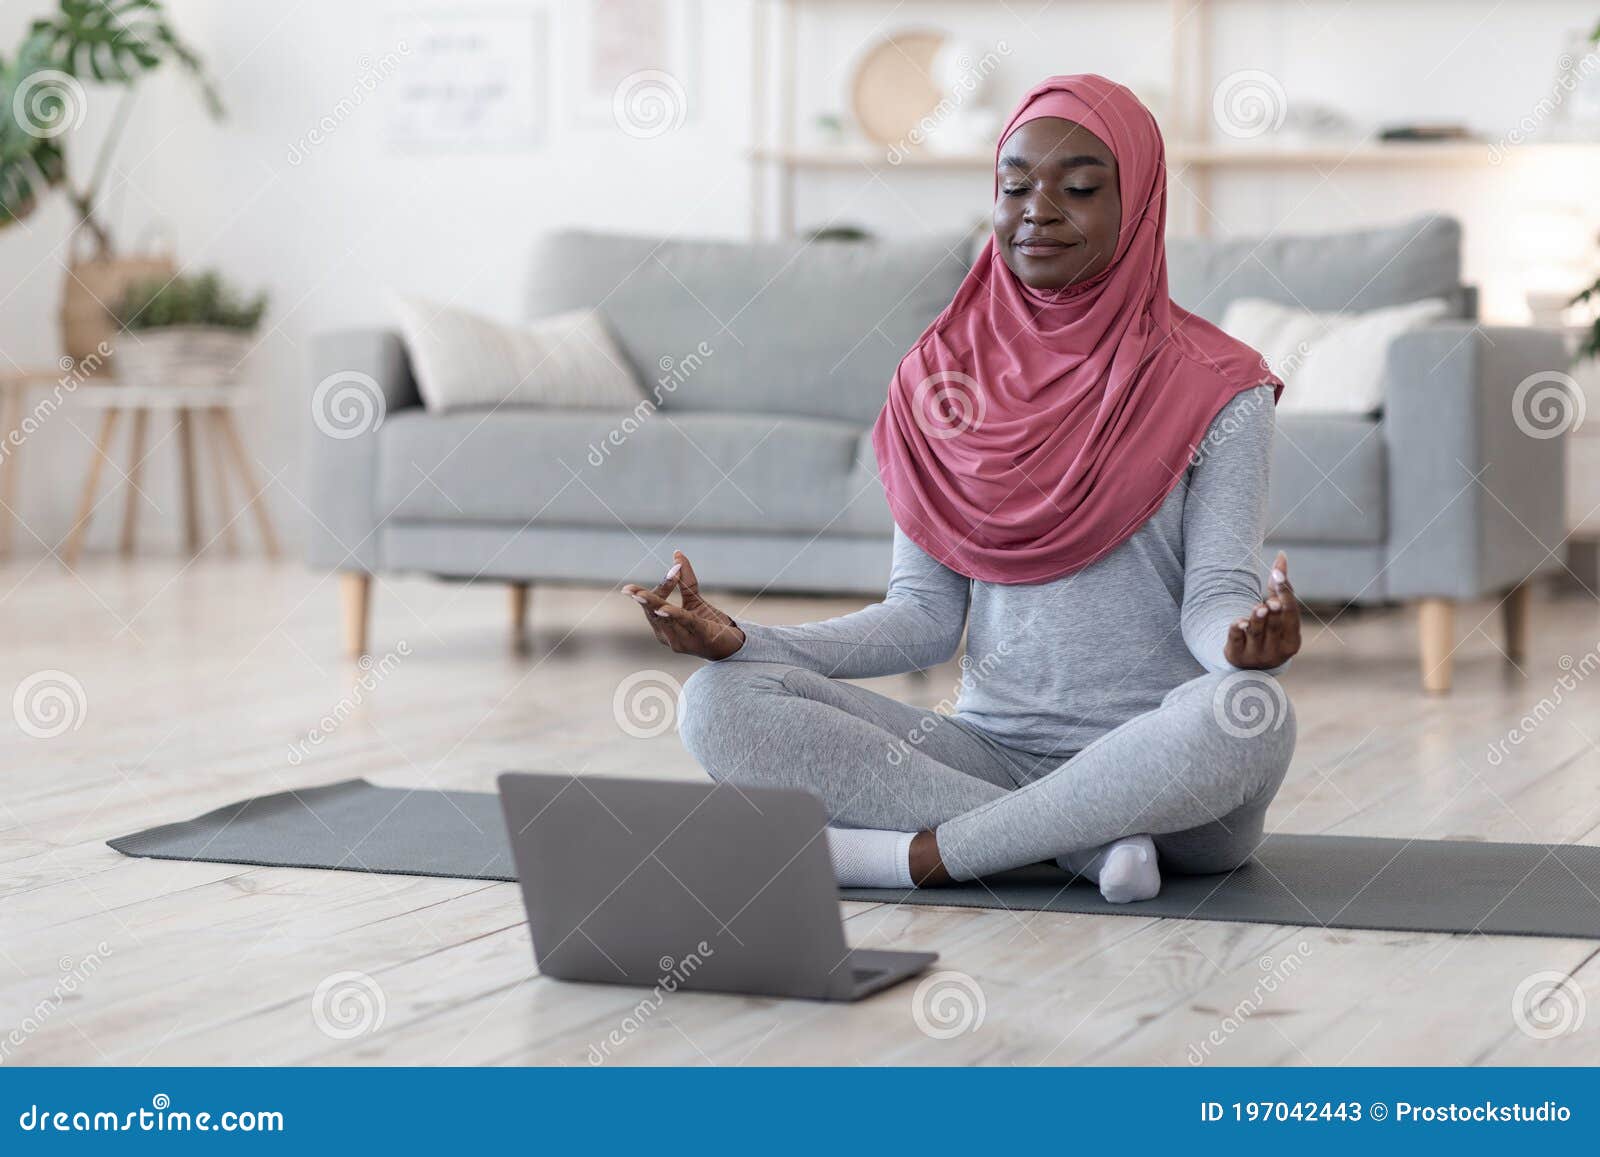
column 196, row 682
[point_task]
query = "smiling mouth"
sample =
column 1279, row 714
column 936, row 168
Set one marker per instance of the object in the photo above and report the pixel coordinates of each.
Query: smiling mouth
column 1041, row 246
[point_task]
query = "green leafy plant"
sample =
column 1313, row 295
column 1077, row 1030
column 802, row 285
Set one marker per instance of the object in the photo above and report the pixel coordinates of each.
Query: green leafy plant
column 1590, row 347
column 204, row 299
column 31, row 163
column 111, row 42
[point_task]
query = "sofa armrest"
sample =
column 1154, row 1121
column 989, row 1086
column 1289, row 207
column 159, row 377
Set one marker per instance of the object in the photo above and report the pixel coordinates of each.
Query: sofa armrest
column 1476, row 497
column 357, row 378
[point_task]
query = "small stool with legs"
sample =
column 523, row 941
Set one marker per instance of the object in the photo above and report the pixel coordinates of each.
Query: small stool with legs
column 201, row 415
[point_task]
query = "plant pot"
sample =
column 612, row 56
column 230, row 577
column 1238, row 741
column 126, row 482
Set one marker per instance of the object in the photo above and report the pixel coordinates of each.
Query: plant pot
column 92, row 288
column 181, row 355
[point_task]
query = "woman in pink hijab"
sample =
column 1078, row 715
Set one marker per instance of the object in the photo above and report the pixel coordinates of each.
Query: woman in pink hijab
column 1077, row 470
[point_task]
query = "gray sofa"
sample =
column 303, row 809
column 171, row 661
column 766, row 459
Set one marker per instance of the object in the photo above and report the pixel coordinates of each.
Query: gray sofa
column 768, row 362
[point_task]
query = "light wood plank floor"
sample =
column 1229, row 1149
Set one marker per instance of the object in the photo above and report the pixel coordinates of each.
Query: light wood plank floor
column 197, row 680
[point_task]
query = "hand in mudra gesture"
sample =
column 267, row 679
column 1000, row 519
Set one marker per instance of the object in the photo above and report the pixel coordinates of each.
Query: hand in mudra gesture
column 1271, row 635
column 695, row 628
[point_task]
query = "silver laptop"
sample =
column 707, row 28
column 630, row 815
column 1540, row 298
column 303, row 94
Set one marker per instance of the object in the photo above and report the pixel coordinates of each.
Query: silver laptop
column 686, row 885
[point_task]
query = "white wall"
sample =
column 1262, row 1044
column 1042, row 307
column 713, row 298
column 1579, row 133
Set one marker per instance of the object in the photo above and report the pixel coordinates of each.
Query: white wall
column 327, row 236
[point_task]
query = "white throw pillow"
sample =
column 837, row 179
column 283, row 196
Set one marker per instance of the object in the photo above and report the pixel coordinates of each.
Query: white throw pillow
column 1330, row 363
column 566, row 362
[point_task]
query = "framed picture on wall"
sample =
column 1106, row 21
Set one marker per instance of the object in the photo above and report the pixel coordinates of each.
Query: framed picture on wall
column 634, row 63
column 474, row 81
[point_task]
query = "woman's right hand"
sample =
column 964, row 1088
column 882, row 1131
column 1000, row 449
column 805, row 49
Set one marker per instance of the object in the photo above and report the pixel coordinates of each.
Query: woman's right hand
column 695, row 628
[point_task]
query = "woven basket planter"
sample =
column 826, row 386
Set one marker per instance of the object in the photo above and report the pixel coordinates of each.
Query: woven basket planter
column 182, row 355
column 87, row 329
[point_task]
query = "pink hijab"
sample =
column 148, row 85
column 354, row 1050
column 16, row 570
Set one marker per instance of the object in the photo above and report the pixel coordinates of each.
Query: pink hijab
column 1029, row 432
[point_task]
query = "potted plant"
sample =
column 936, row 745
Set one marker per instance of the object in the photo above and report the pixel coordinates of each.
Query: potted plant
column 1590, row 346
column 42, row 99
column 184, row 331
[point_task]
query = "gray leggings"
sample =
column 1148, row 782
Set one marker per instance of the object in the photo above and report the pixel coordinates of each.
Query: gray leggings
column 1197, row 772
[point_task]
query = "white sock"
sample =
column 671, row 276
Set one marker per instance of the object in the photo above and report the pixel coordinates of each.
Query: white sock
column 870, row 858
column 1125, row 870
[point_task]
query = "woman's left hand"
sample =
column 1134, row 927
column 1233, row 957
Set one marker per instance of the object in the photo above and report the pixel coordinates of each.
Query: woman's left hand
column 1271, row 635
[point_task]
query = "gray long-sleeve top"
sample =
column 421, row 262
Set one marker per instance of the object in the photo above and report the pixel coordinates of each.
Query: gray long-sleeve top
column 1051, row 666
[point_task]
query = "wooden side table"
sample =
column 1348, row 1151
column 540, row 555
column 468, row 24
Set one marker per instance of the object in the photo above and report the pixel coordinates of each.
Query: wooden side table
column 194, row 409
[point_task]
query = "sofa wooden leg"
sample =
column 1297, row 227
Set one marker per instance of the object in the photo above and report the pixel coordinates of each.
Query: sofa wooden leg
column 519, row 611
column 1436, row 625
column 1516, row 609
column 355, row 603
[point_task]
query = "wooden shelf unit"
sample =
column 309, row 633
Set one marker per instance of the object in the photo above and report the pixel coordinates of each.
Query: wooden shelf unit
column 1363, row 153
column 777, row 160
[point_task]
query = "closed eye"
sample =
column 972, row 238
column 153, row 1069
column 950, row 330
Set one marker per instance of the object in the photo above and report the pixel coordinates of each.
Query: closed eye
column 1019, row 190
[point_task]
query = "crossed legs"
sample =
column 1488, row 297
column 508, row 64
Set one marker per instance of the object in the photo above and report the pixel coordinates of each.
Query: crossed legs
column 1197, row 772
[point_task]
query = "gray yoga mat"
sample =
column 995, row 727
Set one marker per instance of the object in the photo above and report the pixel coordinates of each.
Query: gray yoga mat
column 353, row 826
column 1332, row 881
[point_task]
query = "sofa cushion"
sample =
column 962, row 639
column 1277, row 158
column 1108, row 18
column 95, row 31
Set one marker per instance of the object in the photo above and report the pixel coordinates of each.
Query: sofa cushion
column 1327, row 480
column 1358, row 269
column 658, row 472
column 463, row 360
column 1330, row 363
column 814, row 329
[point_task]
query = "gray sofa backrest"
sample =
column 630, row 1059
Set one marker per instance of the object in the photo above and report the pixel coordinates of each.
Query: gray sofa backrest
column 1356, row 269
column 793, row 328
